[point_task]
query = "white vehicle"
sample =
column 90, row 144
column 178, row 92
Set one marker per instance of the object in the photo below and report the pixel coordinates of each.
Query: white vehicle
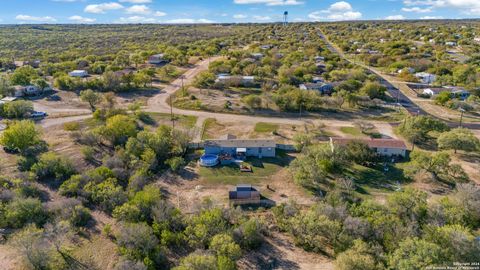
column 38, row 114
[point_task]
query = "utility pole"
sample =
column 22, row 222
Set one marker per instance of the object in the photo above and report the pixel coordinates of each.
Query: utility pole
column 461, row 117
column 172, row 117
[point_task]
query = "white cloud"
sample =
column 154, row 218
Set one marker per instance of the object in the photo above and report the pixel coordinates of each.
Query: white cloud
column 431, row 18
column 270, row 2
column 417, row 9
column 80, row 19
column 102, row 8
column 188, row 21
column 339, row 11
column 470, row 7
column 138, row 9
column 136, row 19
column 35, row 19
column 136, row 1
column 262, row 18
column 395, row 17
column 240, row 16
column 160, row 14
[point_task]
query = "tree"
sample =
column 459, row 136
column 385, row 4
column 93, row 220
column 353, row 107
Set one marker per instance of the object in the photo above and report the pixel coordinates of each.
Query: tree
column 52, row 165
column 223, row 245
column 31, row 243
column 359, row 257
column 302, row 140
column 41, row 84
column 111, row 81
column 91, row 97
column 20, row 135
column 204, row 226
column 5, row 87
column 458, row 139
column 314, row 231
column 457, row 243
column 409, row 204
column 359, row 152
column 417, row 128
column 23, row 75
column 253, row 101
column 198, row 261
column 136, row 240
column 373, row 90
column 119, row 128
column 414, row 253
column 438, row 165
column 24, row 211
column 443, row 98
column 17, row 109
column 250, row 233
column 204, row 79
column 107, row 194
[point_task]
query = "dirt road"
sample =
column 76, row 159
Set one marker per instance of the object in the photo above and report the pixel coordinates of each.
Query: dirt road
column 159, row 103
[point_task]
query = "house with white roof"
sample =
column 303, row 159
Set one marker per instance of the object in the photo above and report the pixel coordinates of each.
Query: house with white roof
column 78, row 73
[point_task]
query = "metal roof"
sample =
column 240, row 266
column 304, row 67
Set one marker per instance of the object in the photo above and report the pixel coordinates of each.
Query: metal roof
column 241, row 143
column 373, row 143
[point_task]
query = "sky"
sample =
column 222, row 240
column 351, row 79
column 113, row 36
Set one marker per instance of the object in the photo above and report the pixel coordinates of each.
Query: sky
column 226, row 11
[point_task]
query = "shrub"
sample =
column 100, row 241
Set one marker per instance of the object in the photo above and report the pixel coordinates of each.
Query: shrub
column 71, row 126
column 17, row 109
column 24, row 211
column 52, row 165
column 20, row 135
column 175, row 163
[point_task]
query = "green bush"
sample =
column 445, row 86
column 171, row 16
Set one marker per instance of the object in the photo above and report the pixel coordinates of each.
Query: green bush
column 52, row 165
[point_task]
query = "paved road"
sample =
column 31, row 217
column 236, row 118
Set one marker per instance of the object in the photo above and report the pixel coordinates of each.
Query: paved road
column 401, row 98
column 406, row 102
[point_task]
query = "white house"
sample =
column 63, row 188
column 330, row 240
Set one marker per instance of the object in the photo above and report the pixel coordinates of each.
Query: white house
column 241, row 147
column 383, row 147
column 226, row 78
column 455, row 92
column 257, row 55
column 425, row 77
column 78, row 73
column 450, row 43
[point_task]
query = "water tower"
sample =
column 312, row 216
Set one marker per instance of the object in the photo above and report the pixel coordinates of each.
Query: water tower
column 285, row 18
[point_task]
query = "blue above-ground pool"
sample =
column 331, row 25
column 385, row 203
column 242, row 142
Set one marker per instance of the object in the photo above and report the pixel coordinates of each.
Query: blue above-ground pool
column 208, row 160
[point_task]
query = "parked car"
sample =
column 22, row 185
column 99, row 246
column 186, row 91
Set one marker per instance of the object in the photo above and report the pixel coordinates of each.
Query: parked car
column 38, row 114
column 54, row 98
